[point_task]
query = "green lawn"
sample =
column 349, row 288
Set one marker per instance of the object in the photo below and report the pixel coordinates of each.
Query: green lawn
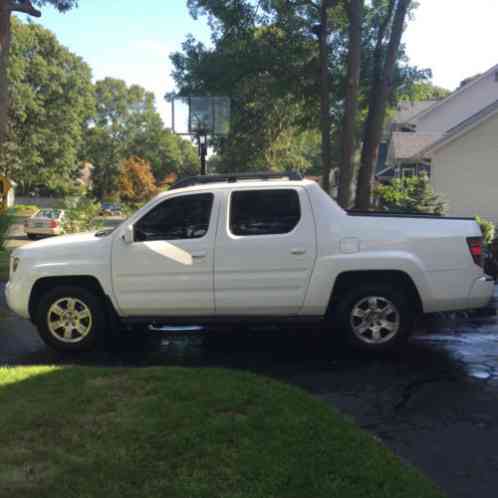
column 186, row 433
column 4, row 265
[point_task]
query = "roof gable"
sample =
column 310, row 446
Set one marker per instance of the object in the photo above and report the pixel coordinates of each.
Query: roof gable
column 460, row 129
column 441, row 103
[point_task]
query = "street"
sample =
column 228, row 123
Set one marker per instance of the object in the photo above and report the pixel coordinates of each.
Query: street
column 435, row 404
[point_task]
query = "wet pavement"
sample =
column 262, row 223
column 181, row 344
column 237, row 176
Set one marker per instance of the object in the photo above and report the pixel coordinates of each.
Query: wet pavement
column 435, row 404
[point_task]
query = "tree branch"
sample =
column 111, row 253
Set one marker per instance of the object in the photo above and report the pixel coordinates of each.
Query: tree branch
column 25, row 7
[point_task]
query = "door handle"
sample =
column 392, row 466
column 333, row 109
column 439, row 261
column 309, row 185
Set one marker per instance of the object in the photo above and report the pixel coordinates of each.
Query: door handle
column 199, row 255
column 298, row 252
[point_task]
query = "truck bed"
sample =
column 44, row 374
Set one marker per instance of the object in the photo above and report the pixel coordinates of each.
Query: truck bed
column 388, row 214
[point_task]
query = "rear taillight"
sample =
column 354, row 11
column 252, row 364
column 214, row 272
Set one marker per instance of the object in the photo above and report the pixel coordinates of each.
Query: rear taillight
column 476, row 250
column 53, row 224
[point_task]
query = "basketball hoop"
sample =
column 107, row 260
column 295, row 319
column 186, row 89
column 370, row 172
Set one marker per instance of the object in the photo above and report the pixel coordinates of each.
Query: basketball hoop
column 200, row 118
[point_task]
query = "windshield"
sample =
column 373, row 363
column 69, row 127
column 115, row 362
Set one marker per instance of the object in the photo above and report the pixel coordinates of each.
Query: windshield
column 48, row 213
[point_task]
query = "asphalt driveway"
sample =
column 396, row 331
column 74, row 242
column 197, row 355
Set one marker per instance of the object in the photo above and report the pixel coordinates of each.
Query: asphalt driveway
column 435, row 405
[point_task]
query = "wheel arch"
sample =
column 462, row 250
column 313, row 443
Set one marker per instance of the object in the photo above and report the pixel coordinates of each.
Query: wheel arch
column 347, row 280
column 45, row 284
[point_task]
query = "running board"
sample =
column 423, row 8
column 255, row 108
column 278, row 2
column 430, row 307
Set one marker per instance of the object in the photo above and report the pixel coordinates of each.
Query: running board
column 177, row 329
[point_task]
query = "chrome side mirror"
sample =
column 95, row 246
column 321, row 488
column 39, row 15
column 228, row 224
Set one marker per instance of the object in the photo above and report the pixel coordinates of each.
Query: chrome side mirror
column 129, row 236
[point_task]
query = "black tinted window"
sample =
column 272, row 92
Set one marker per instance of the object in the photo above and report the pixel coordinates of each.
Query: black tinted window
column 264, row 212
column 185, row 217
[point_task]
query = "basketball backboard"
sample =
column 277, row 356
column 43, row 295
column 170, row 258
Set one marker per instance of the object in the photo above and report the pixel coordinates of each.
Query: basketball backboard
column 201, row 116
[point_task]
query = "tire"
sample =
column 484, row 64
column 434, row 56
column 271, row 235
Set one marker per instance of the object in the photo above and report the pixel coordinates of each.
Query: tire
column 375, row 317
column 32, row 236
column 81, row 317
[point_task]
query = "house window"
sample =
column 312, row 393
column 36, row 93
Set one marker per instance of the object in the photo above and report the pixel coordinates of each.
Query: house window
column 424, row 168
column 408, row 172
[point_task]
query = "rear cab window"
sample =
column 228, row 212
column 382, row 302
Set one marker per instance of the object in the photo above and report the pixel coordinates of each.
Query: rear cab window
column 264, row 212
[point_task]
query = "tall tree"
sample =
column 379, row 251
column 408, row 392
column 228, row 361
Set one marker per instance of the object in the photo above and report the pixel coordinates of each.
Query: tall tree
column 136, row 181
column 323, row 32
column 7, row 8
column 127, row 124
column 52, row 99
column 354, row 10
column 122, row 112
column 265, row 57
column 425, row 91
column 385, row 57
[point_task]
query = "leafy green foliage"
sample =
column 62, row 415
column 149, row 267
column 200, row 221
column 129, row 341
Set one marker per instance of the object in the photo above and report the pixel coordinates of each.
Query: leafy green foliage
column 6, row 220
column 425, row 91
column 127, row 124
column 487, row 228
column 81, row 215
column 51, row 98
column 265, row 58
column 410, row 195
column 60, row 5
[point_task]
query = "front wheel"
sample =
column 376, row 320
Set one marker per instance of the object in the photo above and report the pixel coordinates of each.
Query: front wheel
column 375, row 317
column 70, row 319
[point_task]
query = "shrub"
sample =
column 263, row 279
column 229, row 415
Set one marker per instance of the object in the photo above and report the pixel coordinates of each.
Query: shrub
column 410, row 195
column 81, row 215
column 487, row 229
column 5, row 222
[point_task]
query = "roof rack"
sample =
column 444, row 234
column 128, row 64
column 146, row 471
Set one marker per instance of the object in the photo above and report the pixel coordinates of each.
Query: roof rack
column 233, row 178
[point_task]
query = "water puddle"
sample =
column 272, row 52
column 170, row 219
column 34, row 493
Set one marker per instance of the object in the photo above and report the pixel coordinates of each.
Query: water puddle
column 474, row 345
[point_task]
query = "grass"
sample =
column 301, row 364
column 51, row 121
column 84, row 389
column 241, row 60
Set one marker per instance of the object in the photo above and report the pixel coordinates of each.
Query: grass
column 186, row 433
column 24, row 209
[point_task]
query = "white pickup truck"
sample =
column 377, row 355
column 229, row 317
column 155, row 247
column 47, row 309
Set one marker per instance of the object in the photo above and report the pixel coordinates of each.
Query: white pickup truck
column 250, row 248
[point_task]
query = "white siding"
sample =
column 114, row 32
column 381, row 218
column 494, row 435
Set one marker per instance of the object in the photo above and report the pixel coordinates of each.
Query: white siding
column 466, row 172
column 460, row 106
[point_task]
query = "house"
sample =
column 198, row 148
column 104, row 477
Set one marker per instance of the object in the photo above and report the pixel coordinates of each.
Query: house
column 401, row 142
column 455, row 141
column 464, row 163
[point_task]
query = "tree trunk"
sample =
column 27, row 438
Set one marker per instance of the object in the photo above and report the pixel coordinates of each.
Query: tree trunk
column 381, row 90
column 355, row 14
column 4, row 56
column 325, row 125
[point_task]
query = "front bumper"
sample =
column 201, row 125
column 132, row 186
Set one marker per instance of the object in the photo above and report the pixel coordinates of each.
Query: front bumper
column 17, row 296
column 481, row 292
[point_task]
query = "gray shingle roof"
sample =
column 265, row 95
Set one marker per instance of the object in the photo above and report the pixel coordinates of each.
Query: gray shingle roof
column 405, row 144
column 407, row 110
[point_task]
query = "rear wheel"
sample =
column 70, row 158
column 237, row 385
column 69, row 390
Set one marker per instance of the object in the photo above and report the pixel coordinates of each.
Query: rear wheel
column 32, row 236
column 375, row 317
column 70, row 319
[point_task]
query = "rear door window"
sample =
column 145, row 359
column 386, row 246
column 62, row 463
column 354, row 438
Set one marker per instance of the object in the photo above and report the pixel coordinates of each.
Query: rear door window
column 264, row 212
